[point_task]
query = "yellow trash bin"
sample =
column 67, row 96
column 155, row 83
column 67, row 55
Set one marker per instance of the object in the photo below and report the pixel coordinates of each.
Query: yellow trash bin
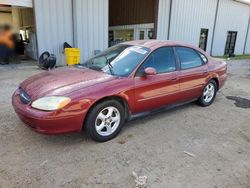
column 72, row 56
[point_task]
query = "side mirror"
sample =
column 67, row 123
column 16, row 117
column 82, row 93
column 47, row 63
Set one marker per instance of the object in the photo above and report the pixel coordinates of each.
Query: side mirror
column 150, row 71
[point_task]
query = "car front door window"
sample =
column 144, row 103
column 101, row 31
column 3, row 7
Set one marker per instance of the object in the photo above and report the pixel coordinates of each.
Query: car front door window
column 160, row 89
column 163, row 60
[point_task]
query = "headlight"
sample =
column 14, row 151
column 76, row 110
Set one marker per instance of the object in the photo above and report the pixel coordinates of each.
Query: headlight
column 51, row 103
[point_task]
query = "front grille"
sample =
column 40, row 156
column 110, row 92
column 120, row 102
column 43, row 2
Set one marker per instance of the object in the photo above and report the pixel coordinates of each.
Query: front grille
column 24, row 97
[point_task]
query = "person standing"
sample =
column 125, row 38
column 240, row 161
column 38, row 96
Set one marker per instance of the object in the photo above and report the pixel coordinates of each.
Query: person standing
column 7, row 44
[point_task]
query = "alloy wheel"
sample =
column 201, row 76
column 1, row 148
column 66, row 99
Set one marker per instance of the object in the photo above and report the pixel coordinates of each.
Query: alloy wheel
column 107, row 121
column 208, row 93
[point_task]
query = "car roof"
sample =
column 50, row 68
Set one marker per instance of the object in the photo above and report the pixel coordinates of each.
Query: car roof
column 154, row 44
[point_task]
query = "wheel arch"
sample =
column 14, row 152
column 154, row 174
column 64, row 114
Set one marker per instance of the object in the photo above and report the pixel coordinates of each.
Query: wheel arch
column 120, row 99
column 217, row 82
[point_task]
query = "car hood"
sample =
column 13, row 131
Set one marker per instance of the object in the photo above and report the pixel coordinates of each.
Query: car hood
column 62, row 81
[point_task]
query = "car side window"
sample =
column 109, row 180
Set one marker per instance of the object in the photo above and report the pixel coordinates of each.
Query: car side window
column 203, row 57
column 163, row 60
column 188, row 57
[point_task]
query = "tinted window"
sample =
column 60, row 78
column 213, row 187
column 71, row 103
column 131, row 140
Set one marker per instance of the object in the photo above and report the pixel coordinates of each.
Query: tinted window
column 163, row 60
column 189, row 58
column 204, row 58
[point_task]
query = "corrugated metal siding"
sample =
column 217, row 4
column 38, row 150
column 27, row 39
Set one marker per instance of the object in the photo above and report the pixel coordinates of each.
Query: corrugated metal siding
column 91, row 26
column 247, row 49
column 188, row 17
column 54, row 26
column 24, row 3
column 163, row 19
column 232, row 16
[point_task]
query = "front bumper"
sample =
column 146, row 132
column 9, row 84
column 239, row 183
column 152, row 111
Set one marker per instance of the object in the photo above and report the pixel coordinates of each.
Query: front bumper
column 55, row 122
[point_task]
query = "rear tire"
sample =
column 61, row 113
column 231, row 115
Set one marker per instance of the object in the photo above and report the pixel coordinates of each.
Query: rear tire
column 105, row 120
column 208, row 94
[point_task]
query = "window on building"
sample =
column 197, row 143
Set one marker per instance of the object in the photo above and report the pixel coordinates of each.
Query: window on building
column 230, row 43
column 188, row 57
column 111, row 37
column 163, row 60
column 142, row 33
column 203, row 39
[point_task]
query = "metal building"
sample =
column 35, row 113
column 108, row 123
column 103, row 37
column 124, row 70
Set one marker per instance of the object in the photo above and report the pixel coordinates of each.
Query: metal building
column 220, row 27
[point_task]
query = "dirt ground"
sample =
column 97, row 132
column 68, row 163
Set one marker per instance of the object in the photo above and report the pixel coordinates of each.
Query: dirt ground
column 188, row 146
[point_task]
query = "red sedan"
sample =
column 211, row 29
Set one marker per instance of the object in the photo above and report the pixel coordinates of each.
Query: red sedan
column 123, row 82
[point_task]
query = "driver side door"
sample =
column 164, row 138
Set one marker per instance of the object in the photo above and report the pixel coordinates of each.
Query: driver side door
column 161, row 89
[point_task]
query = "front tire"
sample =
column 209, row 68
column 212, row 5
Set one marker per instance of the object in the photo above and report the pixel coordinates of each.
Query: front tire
column 208, row 94
column 105, row 120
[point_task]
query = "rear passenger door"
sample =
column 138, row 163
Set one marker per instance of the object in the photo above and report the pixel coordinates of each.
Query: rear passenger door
column 193, row 72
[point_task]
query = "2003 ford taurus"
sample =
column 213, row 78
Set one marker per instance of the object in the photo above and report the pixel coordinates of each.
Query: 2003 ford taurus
column 122, row 82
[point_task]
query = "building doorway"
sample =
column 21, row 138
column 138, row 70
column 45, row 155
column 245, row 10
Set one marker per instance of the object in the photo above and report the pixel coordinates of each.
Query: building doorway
column 230, row 43
column 21, row 20
column 143, row 34
column 203, row 39
column 132, row 20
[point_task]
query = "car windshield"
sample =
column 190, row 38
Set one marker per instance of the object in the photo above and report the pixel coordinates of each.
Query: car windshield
column 119, row 60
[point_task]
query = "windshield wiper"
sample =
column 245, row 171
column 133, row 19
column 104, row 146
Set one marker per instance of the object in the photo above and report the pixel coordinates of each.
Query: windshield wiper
column 109, row 65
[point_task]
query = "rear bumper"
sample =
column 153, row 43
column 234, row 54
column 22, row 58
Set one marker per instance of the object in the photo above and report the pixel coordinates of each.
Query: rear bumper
column 56, row 122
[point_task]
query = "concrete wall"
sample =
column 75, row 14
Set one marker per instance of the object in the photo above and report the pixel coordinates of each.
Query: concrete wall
column 54, row 26
column 90, row 26
column 23, row 3
column 232, row 16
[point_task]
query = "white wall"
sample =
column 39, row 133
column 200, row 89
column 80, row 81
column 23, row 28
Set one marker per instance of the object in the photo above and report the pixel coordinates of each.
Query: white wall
column 247, row 49
column 23, row 3
column 232, row 16
column 6, row 18
column 187, row 19
column 54, row 26
column 91, row 26
column 163, row 19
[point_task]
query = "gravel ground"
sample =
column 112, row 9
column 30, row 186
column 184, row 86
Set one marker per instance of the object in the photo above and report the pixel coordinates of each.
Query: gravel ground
column 188, row 146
